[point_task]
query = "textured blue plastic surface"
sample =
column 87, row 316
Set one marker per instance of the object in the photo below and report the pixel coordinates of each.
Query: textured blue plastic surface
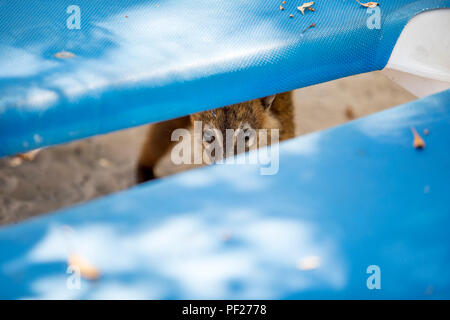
column 352, row 196
column 171, row 58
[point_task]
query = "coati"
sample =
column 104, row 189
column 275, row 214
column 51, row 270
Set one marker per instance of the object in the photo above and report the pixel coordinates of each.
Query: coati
column 272, row 112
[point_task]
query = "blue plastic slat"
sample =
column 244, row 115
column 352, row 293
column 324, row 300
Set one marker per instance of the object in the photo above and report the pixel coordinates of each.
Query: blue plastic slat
column 343, row 199
column 139, row 61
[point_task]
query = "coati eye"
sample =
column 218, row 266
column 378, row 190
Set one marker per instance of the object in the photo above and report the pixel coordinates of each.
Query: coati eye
column 208, row 136
column 249, row 136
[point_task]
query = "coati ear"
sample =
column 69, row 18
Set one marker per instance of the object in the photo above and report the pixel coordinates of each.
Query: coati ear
column 267, row 101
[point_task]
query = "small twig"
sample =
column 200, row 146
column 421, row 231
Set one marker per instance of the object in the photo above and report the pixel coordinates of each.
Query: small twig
column 311, row 26
column 368, row 4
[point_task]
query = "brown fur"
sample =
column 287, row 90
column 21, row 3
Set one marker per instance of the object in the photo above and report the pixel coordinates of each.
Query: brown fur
column 280, row 116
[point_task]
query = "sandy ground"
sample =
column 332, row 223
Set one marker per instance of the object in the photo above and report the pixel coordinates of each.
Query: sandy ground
column 75, row 172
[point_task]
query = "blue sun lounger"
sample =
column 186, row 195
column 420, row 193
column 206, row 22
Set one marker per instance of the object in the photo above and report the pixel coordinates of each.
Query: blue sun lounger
column 354, row 211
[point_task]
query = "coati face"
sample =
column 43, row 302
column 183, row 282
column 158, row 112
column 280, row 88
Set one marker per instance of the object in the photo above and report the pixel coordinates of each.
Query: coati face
column 243, row 118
